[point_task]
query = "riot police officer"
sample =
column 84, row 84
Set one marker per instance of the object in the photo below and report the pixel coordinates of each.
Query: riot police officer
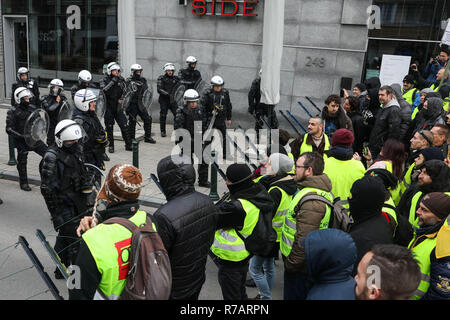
column 96, row 137
column 136, row 85
column 255, row 107
column 16, row 120
column 84, row 82
column 113, row 86
column 189, row 76
column 189, row 117
column 217, row 100
column 52, row 105
column 23, row 80
column 166, row 85
column 66, row 188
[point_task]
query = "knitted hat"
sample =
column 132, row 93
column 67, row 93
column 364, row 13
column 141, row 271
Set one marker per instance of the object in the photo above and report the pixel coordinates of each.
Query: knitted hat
column 426, row 91
column 238, row 172
column 124, row 182
column 342, row 137
column 438, row 203
column 433, row 153
column 281, row 164
column 389, row 180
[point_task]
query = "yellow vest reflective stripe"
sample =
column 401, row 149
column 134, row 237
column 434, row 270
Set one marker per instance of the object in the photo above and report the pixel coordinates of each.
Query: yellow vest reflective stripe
column 278, row 219
column 110, row 247
column 227, row 244
column 308, row 148
column 422, row 253
column 259, row 178
column 414, row 113
column 391, row 211
column 446, row 99
column 342, row 175
column 290, row 223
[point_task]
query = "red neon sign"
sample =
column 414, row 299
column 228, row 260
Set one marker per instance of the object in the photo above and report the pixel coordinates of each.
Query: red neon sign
column 243, row 8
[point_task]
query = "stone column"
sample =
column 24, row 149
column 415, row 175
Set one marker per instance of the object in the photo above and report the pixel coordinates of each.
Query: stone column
column 127, row 35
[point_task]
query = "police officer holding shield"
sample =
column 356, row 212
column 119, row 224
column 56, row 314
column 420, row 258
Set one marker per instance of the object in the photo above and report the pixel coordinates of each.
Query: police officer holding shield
column 113, row 86
column 66, row 187
column 166, row 86
column 136, row 85
column 96, row 138
column 16, row 121
column 52, row 104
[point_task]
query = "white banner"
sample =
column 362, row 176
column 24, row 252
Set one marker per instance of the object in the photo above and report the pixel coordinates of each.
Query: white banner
column 394, row 69
column 446, row 37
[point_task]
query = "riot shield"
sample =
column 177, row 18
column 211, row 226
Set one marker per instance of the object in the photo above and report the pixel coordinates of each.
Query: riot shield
column 145, row 101
column 201, row 86
column 100, row 107
column 126, row 101
column 36, row 127
column 177, row 94
column 65, row 112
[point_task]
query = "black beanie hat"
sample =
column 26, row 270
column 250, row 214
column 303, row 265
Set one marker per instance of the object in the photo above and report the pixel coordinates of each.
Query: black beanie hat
column 368, row 196
column 238, row 172
column 389, row 180
column 432, row 153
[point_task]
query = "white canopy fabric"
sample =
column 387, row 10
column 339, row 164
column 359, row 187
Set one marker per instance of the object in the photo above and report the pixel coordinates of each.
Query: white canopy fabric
column 273, row 33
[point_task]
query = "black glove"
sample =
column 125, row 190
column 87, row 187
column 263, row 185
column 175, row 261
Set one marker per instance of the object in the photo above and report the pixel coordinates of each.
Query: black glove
column 58, row 221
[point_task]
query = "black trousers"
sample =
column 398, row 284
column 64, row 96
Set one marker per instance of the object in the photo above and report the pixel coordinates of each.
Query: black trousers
column 22, row 156
column 165, row 106
column 232, row 282
column 132, row 112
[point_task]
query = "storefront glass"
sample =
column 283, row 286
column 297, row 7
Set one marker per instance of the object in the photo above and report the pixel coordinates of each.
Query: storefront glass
column 66, row 36
column 410, row 28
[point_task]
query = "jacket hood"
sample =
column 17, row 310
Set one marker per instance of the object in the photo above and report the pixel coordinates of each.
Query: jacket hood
column 398, row 92
column 342, row 153
column 330, row 255
column 373, row 83
column 257, row 195
column 176, row 176
column 434, row 109
column 368, row 196
column 321, row 182
column 287, row 185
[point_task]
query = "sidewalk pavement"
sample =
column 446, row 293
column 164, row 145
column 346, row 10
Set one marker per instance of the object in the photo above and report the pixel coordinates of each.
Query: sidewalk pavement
column 149, row 156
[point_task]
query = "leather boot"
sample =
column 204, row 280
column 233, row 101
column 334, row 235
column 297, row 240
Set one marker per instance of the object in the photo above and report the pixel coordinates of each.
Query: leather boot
column 110, row 132
column 126, row 137
column 23, row 177
column 162, row 125
column 148, row 132
column 132, row 128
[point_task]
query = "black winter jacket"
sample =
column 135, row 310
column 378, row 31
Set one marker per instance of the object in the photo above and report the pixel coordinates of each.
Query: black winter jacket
column 186, row 224
column 189, row 77
column 387, row 125
column 113, row 88
column 165, row 87
column 219, row 101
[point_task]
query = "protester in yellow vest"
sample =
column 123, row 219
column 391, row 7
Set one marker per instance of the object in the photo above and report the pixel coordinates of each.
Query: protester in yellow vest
column 104, row 253
column 398, row 274
column 313, row 141
column 409, row 92
column 340, row 166
column 281, row 189
column 299, row 221
column 434, row 209
column 237, row 219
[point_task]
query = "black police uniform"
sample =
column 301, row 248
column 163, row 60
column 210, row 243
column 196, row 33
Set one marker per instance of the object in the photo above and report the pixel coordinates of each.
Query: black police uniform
column 138, row 85
column 63, row 179
column 189, row 77
column 95, row 143
column 52, row 107
column 80, row 86
column 113, row 88
column 219, row 101
column 260, row 109
column 16, row 119
column 30, row 85
column 186, row 118
column 165, row 86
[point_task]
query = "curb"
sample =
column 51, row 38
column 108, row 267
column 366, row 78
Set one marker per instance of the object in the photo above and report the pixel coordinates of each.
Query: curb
column 146, row 201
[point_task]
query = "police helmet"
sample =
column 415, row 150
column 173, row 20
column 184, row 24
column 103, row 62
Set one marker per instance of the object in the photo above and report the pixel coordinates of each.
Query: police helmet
column 84, row 76
column 169, row 67
column 67, row 130
column 21, row 71
column 22, row 93
column 56, row 86
column 112, row 66
column 83, row 98
column 217, row 81
column 136, row 67
column 191, row 95
column 191, row 59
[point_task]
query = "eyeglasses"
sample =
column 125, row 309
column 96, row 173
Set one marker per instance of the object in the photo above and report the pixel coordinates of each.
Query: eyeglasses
column 425, row 137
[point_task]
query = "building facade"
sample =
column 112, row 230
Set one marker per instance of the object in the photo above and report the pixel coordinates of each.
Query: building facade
column 324, row 41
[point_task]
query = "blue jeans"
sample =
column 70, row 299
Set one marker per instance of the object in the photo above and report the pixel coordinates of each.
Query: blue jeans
column 263, row 280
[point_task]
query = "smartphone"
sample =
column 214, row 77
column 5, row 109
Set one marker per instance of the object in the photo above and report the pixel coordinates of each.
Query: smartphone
column 365, row 148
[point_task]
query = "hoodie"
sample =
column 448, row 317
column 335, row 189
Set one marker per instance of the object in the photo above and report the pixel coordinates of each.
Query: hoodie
column 330, row 258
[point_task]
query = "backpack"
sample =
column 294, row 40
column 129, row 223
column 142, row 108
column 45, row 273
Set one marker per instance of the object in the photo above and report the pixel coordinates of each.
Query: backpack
column 150, row 274
column 263, row 237
column 339, row 219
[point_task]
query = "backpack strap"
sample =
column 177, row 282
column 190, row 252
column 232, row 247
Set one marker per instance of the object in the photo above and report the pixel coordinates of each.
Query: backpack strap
column 128, row 224
column 314, row 197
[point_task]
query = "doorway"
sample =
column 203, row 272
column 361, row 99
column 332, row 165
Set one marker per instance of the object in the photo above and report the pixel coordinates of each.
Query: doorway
column 15, row 37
